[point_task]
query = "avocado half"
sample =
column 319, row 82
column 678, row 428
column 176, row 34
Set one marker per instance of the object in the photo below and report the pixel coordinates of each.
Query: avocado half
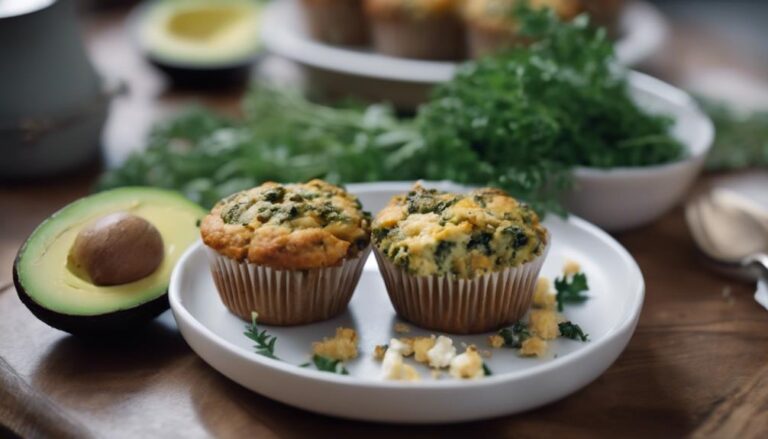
column 62, row 299
column 201, row 43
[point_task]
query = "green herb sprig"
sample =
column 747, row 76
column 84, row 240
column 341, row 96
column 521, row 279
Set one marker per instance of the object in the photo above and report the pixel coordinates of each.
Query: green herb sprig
column 572, row 331
column 515, row 335
column 265, row 343
column 571, row 289
column 325, row 364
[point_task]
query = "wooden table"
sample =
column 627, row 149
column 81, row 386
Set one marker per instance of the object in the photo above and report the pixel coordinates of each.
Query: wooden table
column 697, row 363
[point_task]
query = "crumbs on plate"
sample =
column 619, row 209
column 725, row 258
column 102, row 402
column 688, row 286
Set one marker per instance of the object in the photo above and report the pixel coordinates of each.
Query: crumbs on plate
column 343, row 346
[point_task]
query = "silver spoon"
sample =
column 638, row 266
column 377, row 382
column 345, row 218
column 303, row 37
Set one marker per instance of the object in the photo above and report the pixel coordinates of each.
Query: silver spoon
column 731, row 232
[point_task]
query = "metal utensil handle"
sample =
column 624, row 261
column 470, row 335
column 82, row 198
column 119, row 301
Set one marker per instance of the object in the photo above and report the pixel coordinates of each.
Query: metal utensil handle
column 758, row 264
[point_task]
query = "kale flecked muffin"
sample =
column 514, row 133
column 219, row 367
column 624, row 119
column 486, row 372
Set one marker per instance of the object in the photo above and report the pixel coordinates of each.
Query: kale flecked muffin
column 293, row 253
column 338, row 22
column 492, row 25
column 423, row 29
column 459, row 263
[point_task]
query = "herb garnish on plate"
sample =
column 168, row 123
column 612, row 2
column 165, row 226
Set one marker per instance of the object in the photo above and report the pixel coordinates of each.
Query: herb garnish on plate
column 265, row 343
column 325, row 364
column 571, row 289
column 572, row 331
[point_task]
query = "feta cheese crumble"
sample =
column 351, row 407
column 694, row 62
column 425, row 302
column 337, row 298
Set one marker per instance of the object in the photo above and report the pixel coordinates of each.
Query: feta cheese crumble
column 468, row 365
column 441, row 354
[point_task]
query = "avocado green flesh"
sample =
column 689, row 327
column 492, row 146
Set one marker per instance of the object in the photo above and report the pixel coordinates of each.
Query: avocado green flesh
column 201, row 32
column 42, row 268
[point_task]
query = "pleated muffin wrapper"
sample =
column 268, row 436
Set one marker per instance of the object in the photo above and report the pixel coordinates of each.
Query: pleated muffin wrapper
column 285, row 297
column 462, row 306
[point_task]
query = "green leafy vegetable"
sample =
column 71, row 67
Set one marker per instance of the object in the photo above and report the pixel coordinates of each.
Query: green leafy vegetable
column 741, row 139
column 570, row 289
column 523, row 119
column 487, row 370
column 572, row 331
column 515, row 335
column 519, row 121
column 325, row 364
column 282, row 137
column 265, row 343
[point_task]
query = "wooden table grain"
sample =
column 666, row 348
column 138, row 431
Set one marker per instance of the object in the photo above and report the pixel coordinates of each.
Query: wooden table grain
column 697, row 364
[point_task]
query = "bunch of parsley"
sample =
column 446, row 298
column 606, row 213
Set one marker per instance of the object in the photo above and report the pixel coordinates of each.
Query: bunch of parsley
column 520, row 121
column 282, row 137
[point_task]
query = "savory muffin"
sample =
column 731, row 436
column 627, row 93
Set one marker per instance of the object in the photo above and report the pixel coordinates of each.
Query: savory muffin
column 426, row 29
column 339, row 22
column 492, row 25
column 292, row 253
column 459, row 263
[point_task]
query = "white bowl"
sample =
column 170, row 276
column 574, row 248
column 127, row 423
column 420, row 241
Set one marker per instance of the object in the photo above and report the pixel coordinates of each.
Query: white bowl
column 406, row 83
column 618, row 199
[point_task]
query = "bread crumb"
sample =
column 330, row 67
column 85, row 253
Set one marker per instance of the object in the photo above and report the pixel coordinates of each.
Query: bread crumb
column 402, row 328
column 421, row 345
column 436, row 374
column 486, row 353
column 379, row 351
column 543, row 323
column 571, row 267
column 496, row 341
column 543, row 296
column 533, row 347
column 343, row 346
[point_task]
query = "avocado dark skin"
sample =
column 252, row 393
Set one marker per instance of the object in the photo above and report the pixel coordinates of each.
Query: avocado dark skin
column 91, row 326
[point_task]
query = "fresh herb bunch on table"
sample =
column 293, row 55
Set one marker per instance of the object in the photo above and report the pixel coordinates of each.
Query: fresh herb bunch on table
column 520, row 121
column 282, row 137
column 741, row 139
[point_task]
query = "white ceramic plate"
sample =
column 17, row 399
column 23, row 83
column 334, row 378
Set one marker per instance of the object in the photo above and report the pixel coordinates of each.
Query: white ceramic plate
column 517, row 384
column 284, row 33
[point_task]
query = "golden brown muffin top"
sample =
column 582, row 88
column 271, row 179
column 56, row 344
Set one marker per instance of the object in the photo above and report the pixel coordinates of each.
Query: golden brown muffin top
column 500, row 14
column 428, row 232
column 288, row 226
column 411, row 8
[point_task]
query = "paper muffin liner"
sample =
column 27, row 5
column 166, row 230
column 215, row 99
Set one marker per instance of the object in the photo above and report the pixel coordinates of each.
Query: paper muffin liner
column 462, row 306
column 285, row 297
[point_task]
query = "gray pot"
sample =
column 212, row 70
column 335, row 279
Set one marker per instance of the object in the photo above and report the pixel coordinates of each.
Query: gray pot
column 52, row 103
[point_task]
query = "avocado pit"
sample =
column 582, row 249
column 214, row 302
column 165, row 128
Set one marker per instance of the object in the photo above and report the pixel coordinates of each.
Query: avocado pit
column 116, row 249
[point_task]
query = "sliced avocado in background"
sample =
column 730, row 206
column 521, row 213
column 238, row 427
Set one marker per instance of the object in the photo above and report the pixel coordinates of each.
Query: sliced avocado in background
column 64, row 300
column 201, row 42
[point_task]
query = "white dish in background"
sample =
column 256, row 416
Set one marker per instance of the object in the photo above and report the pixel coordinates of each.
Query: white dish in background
column 618, row 199
column 518, row 384
column 406, row 82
